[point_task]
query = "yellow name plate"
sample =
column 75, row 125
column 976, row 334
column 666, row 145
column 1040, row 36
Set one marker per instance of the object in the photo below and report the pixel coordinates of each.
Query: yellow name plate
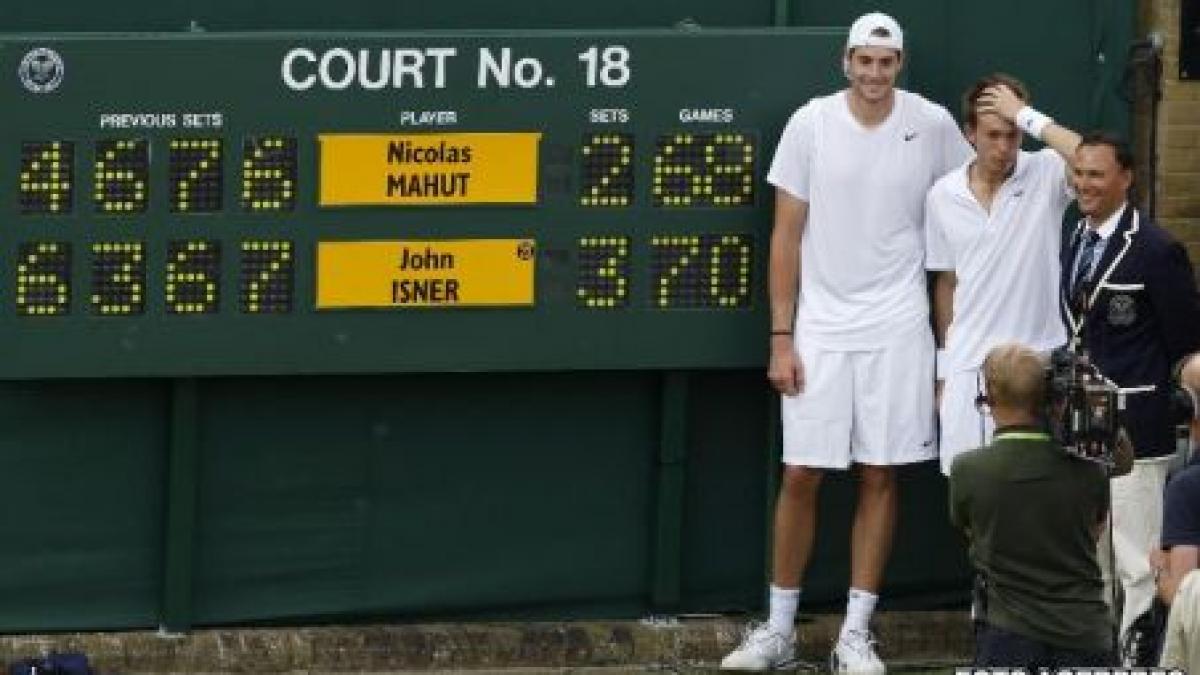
column 424, row 169
column 458, row 273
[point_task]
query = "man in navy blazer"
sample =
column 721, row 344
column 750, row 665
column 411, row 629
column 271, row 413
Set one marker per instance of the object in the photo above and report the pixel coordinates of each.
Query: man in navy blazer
column 1129, row 299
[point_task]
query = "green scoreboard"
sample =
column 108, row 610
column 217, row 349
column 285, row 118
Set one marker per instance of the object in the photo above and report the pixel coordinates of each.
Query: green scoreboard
column 207, row 204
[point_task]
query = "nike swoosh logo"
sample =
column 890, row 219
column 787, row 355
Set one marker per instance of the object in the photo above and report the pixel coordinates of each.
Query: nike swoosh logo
column 909, row 136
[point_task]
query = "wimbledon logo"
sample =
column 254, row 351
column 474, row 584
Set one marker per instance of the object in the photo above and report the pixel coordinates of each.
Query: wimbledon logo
column 41, row 70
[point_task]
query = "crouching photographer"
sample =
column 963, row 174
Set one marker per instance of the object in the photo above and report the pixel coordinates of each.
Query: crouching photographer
column 1032, row 512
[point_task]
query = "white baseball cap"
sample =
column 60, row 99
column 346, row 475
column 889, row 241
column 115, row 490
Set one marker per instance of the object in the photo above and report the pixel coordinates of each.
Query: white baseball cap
column 863, row 27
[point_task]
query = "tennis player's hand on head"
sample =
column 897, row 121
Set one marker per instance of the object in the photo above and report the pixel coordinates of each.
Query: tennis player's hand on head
column 1002, row 101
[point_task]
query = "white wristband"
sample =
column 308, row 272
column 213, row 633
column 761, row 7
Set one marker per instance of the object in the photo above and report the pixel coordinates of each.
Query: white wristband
column 940, row 366
column 1032, row 122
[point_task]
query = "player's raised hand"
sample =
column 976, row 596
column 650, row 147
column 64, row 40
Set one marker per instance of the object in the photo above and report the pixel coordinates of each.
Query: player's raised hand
column 1002, row 101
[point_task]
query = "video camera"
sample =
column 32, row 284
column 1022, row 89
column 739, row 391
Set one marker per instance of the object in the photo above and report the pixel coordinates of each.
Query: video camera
column 1082, row 407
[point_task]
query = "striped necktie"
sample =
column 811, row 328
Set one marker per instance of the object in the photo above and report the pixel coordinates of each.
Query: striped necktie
column 1086, row 254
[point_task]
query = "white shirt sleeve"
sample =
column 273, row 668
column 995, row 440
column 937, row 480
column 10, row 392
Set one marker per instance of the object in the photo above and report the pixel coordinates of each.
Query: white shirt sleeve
column 938, row 254
column 793, row 156
column 955, row 148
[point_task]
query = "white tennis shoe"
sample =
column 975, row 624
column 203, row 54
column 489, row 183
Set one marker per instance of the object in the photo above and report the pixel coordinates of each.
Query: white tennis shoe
column 762, row 649
column 855, row 653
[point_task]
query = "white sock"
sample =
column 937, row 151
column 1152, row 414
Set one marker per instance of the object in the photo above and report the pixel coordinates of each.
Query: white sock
column 782, row 603
column 859, row 606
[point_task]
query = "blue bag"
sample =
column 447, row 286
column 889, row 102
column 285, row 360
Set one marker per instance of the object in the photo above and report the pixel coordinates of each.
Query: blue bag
column 71, row 663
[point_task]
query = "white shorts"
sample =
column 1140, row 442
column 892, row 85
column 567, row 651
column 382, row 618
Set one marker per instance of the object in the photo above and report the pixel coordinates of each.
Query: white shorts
column 964, row 426
column 866, row 407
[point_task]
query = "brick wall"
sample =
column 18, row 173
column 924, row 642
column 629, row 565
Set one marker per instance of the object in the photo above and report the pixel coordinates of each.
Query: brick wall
column 1178, row 170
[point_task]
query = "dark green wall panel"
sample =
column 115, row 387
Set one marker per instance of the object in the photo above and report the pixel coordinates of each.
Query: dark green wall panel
column 83, row 468
column 420, row 496
column 724, row 528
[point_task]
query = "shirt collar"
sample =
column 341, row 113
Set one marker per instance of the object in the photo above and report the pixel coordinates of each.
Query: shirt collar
column 1017, row 428
column 1110, row 224
column 1017, row 175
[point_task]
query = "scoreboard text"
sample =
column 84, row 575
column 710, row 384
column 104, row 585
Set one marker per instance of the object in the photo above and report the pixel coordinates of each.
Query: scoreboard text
column 254, row 205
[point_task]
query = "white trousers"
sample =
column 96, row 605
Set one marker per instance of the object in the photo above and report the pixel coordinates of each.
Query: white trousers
column 1137, row 511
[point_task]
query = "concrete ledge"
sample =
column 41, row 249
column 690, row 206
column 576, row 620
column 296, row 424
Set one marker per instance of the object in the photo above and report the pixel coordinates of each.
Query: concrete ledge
column 686, row 644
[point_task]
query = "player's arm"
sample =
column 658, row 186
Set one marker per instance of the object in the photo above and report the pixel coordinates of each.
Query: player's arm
column 1180, row 534
column 1001, row 100
column 944, row 283
column 939, row 259
column 785, row 371
column 1171, row 567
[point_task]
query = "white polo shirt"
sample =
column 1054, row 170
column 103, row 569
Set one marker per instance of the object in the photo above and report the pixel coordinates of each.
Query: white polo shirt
column 861, row 251
column 1006, row 261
